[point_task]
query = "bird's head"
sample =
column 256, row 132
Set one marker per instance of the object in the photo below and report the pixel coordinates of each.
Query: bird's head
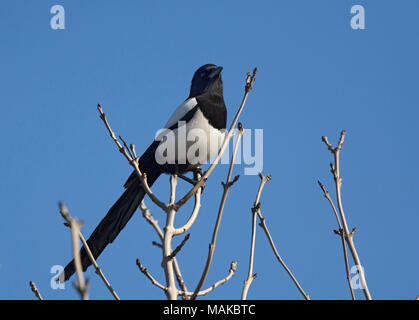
column 207, row 79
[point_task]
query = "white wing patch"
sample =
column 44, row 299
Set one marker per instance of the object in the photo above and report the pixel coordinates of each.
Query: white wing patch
column 180, row 111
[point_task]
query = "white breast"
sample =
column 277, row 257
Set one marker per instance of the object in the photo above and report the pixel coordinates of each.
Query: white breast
column 193, row 142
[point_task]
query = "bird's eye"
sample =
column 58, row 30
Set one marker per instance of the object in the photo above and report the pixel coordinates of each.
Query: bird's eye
column 202, row 74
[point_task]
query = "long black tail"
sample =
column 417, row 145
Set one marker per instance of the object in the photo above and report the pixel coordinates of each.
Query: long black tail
column 120, row 213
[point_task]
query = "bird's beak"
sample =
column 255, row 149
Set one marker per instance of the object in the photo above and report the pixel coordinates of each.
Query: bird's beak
column 215, row 72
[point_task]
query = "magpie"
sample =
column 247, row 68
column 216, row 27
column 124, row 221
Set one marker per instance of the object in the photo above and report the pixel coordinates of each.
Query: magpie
column 204, row 109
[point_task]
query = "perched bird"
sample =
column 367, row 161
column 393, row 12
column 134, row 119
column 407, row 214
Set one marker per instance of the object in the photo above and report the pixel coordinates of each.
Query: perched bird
column 203, row 111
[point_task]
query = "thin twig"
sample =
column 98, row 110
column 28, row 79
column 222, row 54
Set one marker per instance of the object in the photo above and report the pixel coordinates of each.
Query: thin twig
column 226, row 187
column 194, row 214
column 251, row 276
column 130, row 152
column 179, row 247
column 92, row 259
column 155, row 224
column 263, row 225
column 342, row 236
column 97, row 268
column 158, row 245
column 149, row 276
column 150, row 219
column 232, row 271
column 35, row 290
column 81, row 286
column 179, row 276
column 335, row 168
column 255, row 209
column 133, row 161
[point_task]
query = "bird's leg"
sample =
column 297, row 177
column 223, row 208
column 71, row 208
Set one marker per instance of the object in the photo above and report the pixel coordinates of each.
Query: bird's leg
column 197, row 170
column 198, row 173
column 195, row 179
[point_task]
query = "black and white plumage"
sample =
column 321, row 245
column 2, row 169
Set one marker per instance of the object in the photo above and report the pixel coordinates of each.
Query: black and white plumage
column 205, row 110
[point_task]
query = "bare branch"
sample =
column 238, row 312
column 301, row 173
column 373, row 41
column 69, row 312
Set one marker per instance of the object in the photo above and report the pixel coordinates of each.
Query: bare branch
column 35, row 290
column 133, row 161
column 179, row 247
column 262, row 224
column 168, row 264
column 179, row 277
column 342, row 236
column 158, row 245
column 255, row 209
column 97, row 268
column 127, row 148
column 226, row 187
column 149, row 218
column 263, row 181
column 348, row 235
column 327, row 196
column 341, row 139
column 193, row 216
column 132, row 148
column 232, row 271
column 328, row 144
column 250, row 275
column 149, row 276
column 173, row 184
column 94, row 263
column 81, row 286
column 154, row 223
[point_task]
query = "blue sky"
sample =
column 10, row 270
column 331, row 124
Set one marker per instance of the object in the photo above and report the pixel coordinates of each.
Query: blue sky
column 316, row 77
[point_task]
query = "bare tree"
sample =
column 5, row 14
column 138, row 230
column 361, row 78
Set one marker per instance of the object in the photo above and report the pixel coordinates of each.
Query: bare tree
column 174, row 285
column 256, row 212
